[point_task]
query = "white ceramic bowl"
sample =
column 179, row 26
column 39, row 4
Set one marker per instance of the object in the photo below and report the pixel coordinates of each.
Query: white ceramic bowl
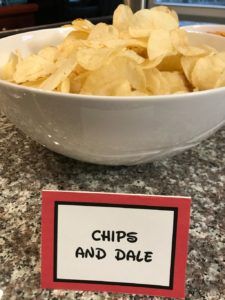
column 207, row 28
column 109, row 130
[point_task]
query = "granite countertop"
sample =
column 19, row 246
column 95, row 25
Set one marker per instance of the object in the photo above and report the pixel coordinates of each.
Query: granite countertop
column 26, row 168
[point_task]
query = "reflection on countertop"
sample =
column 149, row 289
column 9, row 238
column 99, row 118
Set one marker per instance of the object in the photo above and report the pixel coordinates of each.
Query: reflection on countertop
column 26, row 168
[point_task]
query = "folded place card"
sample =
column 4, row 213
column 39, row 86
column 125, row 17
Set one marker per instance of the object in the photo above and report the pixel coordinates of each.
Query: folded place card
column 121, row 243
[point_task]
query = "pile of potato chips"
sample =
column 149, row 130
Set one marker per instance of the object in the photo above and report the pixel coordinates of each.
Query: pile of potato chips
column 141, row 54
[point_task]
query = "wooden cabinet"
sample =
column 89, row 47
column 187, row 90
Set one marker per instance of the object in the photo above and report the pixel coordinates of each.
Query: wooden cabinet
column 17, row 16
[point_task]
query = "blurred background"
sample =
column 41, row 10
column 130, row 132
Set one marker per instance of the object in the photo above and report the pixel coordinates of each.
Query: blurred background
column 21, row 13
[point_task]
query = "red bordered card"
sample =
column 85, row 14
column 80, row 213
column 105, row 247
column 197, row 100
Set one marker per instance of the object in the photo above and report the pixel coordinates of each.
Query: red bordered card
column 120, row 243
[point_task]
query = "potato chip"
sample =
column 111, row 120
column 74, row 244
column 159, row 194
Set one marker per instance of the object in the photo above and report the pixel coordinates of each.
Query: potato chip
column 64, row 87
column 221, row 55
column 147, row 64
column 136, row 76
column 167, row 10
column 163, row 83
column 140, row 51
column 49, row 53
column 65, row 52
column 181, row 44
column 159, row 44
column 123, row 88
column 139, row 93
column 155, row 82
column 188, row 63
column 209, row 49
column 132, row 55
column 32, row 68
column 92, row 59
column 70, row 44
column 108, row 89
column 9, row 69
column 34, row 84
column 103, row 32
column 122, row 18
column 221, row 80
column 60, row 74
column 207, row 72
column 118, row 88
column 77, row 82
column 176, row 82
column 82, row 25
column 171, row 63
column 145, row 21
column 125, row 43
column 75, row 36
column 119, row 69
column 78, row 70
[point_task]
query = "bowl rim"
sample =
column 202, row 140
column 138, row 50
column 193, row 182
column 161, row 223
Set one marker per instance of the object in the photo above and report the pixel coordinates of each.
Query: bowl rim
column 204, row 28
column 73, row 96
column 213, row 25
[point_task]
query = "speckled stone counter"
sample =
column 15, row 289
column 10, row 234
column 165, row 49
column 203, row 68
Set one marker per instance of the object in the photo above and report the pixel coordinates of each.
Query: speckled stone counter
column 26, row 168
